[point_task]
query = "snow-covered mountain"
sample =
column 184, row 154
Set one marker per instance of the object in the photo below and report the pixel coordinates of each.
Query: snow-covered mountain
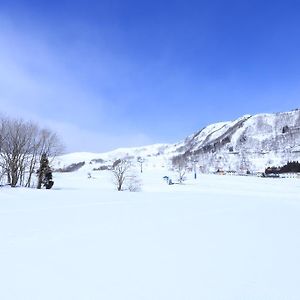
column 248, row 143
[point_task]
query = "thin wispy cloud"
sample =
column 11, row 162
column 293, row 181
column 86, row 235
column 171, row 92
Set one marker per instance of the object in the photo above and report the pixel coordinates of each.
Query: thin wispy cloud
column 128, row 72
column 36, row 83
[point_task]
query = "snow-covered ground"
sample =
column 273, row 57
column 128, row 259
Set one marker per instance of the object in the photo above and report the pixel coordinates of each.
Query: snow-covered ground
column 217, row 237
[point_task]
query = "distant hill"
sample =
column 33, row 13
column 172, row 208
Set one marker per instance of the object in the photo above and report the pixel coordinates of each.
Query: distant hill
column 248, row 143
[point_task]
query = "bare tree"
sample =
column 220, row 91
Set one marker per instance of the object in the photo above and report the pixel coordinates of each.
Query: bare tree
column 22, row 145
column 1, row 142
column 180, row 166
column 1, row 133
column 120, row 171
column 15, row 148
column 46, row 143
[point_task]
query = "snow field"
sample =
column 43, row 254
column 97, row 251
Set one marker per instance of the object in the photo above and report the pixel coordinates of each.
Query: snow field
column 219, row 237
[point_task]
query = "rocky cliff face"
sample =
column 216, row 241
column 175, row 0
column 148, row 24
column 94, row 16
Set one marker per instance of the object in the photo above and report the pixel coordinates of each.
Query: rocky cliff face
column 248, row 143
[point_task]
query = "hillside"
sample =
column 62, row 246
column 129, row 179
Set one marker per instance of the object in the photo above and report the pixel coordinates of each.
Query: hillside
column 248, row 143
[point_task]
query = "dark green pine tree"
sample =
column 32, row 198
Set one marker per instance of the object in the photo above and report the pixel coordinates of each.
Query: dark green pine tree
column 44, row 173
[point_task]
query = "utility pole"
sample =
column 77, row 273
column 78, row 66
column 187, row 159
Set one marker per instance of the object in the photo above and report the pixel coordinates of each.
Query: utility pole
column 194, row 164
column 141, row 160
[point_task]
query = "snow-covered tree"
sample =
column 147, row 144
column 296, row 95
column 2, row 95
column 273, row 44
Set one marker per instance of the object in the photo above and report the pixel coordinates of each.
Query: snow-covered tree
column 44, row 173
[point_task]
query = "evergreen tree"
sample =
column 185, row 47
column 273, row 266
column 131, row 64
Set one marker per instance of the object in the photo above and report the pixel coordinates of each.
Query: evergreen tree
column 44, row 173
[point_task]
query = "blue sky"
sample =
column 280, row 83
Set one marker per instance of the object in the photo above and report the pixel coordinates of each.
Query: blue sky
column 108, row 74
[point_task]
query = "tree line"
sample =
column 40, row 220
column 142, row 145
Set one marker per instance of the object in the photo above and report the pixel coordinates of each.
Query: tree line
column 22, row 146
column 290, row 167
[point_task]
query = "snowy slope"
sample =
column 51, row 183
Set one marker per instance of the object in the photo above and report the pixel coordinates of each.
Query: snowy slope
column 248, row 143
column 157, row 155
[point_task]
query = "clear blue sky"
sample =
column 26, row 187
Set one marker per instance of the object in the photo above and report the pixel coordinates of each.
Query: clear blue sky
column 117, row 73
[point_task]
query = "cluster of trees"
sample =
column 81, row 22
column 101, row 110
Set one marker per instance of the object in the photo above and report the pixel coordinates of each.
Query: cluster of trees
column 182, row 164
column 124, row 177
column 22, row 146
column 290, row 167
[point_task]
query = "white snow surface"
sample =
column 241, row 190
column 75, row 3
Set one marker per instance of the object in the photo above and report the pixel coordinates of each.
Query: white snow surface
column 217, row 237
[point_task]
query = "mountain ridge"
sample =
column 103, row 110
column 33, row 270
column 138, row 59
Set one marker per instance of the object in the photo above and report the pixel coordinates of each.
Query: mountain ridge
column 249, row 143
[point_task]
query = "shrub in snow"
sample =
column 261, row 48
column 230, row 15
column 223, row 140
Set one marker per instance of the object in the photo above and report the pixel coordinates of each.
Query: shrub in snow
column 71, row 168
column 98, row 161
column 102, row 168
column 133, row 183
